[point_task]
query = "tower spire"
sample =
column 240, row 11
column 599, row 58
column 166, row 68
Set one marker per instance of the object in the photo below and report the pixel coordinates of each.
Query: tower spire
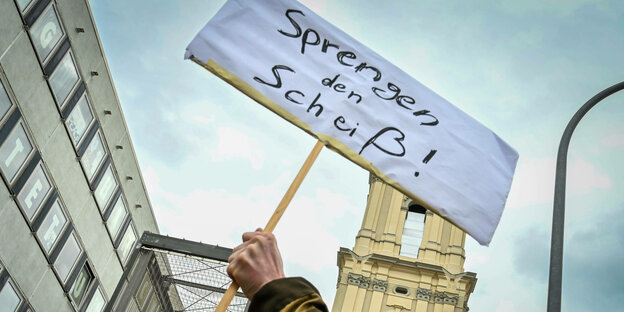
column 404, row 257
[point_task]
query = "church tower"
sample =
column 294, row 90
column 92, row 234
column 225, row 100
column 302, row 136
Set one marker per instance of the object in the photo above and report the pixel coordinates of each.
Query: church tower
column 405, row 259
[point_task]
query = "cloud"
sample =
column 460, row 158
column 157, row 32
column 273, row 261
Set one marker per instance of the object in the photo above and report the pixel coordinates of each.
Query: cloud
column 506, row 306
column 614, row 140
column 592, row 278
column 534, row 182
column 583, row 177
column 531, row 254
column 307, row 233
column 556, row 7
column 477, row 257
column 318, row 6
column 204, row 120
column 220, row 216
column 211, row 215
column 592, row 275
column 234, row 144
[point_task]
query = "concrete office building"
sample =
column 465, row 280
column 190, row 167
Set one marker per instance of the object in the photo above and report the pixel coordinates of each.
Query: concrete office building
column 72, row 199
column 405, row 259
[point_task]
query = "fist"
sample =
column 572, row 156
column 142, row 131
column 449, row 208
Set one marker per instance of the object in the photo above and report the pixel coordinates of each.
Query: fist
column 255, row 262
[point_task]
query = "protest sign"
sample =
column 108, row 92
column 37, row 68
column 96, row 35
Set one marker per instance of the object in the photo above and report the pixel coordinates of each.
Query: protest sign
column 312, row 74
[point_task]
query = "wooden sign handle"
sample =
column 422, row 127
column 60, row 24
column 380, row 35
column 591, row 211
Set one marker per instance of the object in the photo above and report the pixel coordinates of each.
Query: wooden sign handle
column 277, row 214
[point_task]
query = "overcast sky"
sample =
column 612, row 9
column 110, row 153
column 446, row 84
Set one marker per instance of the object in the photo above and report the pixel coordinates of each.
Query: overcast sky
column 216, row 163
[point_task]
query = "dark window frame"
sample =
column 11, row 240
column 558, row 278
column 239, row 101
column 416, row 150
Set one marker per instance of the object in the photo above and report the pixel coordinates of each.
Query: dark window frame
column 91, row 288
column 88, row 137
column 7, row 129
column 93, row 133
column 9, row 94
column 5, row 279
column 91, row 294
column 31, row 14
column 75, row 271
column 20, row 183
column 31, row 20
column 413, row 209
column 55, row 253
column 60, row 239
column 61, row 104
column 117, row 197
column 97, row 181
column 128, row 225
column 28, row 7
column 71, row 104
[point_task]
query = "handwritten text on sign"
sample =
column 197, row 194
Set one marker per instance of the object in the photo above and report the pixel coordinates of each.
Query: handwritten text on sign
column 325, row 82
column 393, row 93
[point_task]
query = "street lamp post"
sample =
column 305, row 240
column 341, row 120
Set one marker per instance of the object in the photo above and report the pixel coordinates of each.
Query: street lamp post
column 556, row 243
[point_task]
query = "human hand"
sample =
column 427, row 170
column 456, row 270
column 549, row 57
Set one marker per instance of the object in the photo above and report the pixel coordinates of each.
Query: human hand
column 255, row 262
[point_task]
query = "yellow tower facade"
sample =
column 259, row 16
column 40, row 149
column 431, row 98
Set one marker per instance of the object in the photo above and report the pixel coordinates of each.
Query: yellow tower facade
column 405, row 258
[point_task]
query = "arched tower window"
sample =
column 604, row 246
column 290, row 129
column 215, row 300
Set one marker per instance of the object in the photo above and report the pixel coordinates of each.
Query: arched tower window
column 413, row 231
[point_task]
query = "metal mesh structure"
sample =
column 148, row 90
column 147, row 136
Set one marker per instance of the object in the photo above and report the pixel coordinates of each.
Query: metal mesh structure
column 198, row 282
column 169, row 274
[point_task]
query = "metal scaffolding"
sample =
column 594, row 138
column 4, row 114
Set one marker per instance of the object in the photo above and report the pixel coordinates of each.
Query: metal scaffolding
column 171, row 274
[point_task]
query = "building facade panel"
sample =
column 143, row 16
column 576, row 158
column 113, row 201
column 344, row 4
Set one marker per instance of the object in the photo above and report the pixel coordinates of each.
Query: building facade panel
column 113, row 272
column 29, row 265
column 67, row 174
column 48, row 294
column 21, row 68
column 102, row 93
column 60, row 123
column 10, row 24
column 81, row 33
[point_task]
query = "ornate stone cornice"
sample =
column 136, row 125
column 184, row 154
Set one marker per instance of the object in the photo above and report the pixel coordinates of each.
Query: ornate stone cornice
column 409, row 264
column 358, row 280
column 406, row 201
column 445, row 298
column 373, row 178
column 380, row 285
column 353, row 254
column 423, row 294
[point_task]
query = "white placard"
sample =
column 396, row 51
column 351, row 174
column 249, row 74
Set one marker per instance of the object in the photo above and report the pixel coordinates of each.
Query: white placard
column 317, row 77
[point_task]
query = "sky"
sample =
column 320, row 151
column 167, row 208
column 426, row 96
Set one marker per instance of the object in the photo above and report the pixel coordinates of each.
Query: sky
column 216, row 164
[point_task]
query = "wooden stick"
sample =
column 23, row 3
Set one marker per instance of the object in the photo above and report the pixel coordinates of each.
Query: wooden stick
column 277, row 215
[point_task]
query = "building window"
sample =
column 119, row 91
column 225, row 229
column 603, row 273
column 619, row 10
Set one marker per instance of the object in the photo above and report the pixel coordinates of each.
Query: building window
column 23, row 4
column 64, row 79
column 52, row 226
column 144, row 290
column 401, row 290
column 5, row 102
column 105, row 188
column 14, row 152
column 67, row 258
column 116, row 217
column 46, row 33
column 79, row 120
column 9, row 297
column 79, row 289
column 93, row 156
column 97, row 302
column 154, row 305
column 34, row 192
column 127, row 242
column 413, row 231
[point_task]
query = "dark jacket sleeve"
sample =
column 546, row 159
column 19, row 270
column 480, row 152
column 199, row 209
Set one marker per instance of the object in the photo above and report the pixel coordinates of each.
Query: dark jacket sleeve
column 293, row 294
